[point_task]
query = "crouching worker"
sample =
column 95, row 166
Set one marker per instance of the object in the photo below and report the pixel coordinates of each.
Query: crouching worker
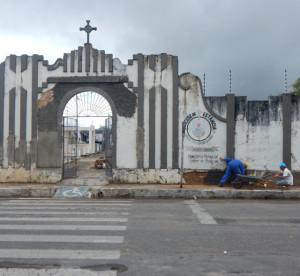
column 233, row 166
column 286, row 177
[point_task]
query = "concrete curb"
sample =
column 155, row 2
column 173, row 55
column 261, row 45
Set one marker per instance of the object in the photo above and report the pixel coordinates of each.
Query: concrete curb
column 190, row 193
column 48, row 192
column 102, row 192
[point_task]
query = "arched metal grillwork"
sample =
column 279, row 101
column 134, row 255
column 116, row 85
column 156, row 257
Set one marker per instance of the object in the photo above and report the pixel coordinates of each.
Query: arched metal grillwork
column 87, row 104
column 76, row 113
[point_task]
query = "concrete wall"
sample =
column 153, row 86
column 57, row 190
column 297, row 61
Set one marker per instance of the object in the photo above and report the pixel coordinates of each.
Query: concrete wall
column 203, row 149
column 266, row 132
column 33, row 95
column 160, row 120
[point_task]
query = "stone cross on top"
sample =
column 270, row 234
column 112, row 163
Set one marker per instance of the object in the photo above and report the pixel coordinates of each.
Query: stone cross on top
column 88, row 29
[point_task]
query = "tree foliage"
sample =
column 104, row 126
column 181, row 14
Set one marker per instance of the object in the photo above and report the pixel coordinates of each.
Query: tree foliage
column 296, row 87
column 101, row 128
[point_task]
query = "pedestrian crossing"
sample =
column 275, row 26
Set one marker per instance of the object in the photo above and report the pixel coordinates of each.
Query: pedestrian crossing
column 69, row 234
column 62, row 238
column 201, row 214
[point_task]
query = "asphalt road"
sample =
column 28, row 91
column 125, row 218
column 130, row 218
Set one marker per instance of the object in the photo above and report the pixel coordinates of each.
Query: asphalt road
column 149, row 237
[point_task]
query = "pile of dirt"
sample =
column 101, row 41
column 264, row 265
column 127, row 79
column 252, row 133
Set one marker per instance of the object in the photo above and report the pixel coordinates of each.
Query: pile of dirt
column 212, row 178
column 194, row 178
column 262, row 185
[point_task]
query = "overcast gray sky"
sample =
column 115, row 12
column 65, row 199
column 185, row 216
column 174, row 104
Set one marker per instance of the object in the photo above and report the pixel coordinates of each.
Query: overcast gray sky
column 256, row 39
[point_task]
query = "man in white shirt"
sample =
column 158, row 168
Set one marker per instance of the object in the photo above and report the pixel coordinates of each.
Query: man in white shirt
column 286, row 177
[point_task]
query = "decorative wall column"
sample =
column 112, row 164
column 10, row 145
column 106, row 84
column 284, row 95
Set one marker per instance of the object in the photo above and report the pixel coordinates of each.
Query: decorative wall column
column 230, row 128
column 140, row 130
column 286, row 129
column 2, row 79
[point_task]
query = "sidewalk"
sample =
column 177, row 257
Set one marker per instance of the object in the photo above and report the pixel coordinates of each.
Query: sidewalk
column 92, row 183
column 92, row 188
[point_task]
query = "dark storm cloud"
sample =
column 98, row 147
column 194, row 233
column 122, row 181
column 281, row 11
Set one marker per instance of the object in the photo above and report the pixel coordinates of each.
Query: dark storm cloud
column 257, row 40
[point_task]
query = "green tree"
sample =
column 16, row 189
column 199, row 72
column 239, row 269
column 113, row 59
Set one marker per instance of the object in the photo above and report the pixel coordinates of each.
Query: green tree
column 296, row 87
column 101, row 128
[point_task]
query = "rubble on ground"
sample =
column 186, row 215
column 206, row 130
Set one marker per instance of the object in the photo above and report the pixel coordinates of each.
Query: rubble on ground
column 212, row 179
column 100, row 163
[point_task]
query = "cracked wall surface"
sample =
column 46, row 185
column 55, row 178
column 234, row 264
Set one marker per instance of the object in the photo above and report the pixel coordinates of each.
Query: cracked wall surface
column 162, row 121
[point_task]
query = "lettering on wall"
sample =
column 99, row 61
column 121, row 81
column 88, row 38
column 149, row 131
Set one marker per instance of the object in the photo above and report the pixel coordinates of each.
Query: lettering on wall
column 200, row 127
column 210, row 159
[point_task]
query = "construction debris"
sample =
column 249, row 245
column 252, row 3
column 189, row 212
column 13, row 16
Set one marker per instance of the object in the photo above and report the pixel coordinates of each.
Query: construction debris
column 100, row 163
column 212, row 178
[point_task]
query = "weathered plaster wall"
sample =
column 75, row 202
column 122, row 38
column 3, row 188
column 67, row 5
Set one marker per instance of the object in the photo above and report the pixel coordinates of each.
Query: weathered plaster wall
column 33, row 95
column 150, row 101
column 258, row 129
column 201, row 154
column 159, row 176
column 150, row 153
column 126, row 143
column 158, row 116
column 23, row 175
column 218, row 105
column 295, row 143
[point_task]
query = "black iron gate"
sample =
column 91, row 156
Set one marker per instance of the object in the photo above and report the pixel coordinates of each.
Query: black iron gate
column 84, row 105
column 70, row 139
column 108, row 146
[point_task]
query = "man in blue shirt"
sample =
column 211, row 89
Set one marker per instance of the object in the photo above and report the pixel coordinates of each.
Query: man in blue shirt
column 233, row 166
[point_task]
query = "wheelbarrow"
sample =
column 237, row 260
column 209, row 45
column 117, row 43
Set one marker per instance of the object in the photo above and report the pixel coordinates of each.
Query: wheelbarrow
column 245, row 179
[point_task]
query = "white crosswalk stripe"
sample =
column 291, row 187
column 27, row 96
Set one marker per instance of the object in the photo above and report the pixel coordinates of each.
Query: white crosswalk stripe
column 66, row 201
column 54, row 272
column 59, row 254
column 69, row 204
column 61, row 238
column 86, row 207
column 201, row 214
column 36, row 218
column 61, row 232
column 12, row 212
column 68, row 227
